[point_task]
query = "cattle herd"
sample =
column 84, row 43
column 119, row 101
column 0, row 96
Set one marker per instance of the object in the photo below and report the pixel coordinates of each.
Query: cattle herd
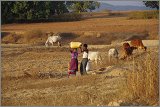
column 135, row 44
column 95, row 56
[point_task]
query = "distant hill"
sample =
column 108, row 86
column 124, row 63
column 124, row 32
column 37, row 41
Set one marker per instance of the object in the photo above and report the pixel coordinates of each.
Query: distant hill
column 104, row 6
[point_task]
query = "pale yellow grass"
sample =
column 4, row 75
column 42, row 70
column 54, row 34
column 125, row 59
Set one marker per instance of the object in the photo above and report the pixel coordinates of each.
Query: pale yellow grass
column 143, row 82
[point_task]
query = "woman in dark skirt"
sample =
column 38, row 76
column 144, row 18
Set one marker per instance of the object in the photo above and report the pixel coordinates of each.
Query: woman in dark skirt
column 84, row 60
column 73, row 65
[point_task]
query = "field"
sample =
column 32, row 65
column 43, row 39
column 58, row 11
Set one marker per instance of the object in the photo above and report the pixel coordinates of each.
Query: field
column 24, row 60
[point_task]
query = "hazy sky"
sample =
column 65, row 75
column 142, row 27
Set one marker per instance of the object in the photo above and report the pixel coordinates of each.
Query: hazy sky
column 123, row 3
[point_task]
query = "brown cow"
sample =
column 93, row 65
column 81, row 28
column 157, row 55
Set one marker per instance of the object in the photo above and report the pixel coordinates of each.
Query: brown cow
column 126, row 45
column 138, row 44
column 127, row 50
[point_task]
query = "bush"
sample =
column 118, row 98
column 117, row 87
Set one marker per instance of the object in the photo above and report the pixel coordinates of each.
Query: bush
column 66, row 17
column 144, row 15
column 55, row 18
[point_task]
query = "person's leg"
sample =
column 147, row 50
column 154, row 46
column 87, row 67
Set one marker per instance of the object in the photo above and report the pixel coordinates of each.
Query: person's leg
column 75, row 72
column 71, row 73
column 76, row 65
column 81, row 68
column 68, row 74
column 84, row 66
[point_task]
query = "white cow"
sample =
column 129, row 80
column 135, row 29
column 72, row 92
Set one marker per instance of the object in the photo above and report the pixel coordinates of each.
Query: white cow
column 112, row 53
column 94, row 56
column 53, row 38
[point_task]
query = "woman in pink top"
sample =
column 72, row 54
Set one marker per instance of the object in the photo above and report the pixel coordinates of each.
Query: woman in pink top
column 73, row 65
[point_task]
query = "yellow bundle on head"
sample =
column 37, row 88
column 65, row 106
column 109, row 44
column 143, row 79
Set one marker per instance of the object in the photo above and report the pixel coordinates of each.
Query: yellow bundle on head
column 75, row 44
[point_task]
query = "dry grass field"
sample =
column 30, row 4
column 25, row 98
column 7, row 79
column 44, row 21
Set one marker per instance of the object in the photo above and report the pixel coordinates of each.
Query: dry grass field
column 23, row 56
column 102, row 28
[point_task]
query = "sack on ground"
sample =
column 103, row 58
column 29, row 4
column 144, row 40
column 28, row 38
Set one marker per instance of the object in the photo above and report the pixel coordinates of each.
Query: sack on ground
column 88, row 66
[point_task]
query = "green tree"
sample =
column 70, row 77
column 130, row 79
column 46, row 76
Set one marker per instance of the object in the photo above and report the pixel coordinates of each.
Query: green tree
column 91, row 5
column 59, row 7
column 15, row 11
column 6, row 11
column 82, row 6
column 31, row 10
column 152, row 4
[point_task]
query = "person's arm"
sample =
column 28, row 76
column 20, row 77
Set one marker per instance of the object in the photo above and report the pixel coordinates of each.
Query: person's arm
column 70, row 49
column 87, row 50
column 80, row 50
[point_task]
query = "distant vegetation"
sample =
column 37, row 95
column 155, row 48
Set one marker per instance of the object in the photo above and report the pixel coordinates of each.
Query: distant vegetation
column 147, row 14
column 53, row 11
column 81, row 6
column 152, row 4
column 42, row 11
column 144, row 15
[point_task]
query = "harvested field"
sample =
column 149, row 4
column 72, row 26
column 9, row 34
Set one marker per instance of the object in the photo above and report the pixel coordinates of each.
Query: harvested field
column 21, row 84
column 35, row 75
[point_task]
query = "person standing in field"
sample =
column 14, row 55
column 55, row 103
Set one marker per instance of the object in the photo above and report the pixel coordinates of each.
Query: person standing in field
column 84, row 60
column 73, row 64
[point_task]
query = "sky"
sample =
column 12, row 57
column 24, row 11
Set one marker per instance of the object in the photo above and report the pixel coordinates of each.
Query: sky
column 124, row 3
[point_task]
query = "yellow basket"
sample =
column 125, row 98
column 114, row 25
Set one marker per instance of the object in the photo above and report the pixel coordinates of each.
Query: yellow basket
column 75, row 44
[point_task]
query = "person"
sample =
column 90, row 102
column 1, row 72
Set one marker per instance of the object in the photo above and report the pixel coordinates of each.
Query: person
column 84, row 60
column 73, row 64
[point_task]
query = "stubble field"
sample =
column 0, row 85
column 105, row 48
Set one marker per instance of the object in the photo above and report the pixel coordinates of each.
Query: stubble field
column 22, row 63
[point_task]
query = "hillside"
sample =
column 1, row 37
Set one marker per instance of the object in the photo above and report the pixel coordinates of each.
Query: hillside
column 105, row 6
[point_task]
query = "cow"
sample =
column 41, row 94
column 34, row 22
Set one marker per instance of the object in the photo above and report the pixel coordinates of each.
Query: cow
column 128, row 50
column 126, row 45
column 138, row 44
column 53, row 38
column 113, row 53
column 94, row 56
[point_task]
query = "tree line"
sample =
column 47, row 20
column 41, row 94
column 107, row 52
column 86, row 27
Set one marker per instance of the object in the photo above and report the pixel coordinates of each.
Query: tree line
column 13, row 11
column 152, row 4
column 33, row 11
